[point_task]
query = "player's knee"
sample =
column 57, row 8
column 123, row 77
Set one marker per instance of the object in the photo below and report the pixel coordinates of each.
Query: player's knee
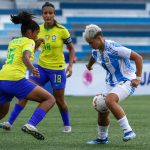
column 48, row 103
column 62, row 105
column 60, row 101
column 51, row 100
column 110, row 100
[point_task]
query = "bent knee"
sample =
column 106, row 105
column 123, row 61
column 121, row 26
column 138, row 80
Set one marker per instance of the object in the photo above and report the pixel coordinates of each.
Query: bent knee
column 51, row 99
column 111, row 99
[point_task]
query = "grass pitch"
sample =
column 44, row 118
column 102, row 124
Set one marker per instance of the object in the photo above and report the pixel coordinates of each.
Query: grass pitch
column 84, row 128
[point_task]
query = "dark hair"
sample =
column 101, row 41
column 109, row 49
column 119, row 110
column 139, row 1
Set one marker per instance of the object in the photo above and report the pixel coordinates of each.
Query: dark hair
column 25, row 19
column 47, row 4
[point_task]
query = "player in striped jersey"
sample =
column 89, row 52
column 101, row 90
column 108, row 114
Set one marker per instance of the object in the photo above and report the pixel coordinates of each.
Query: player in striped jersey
column 121, row 80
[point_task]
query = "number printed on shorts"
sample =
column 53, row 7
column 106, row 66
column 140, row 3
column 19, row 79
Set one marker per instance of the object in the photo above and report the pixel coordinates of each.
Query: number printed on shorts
column 57, row 78
column 10, row 56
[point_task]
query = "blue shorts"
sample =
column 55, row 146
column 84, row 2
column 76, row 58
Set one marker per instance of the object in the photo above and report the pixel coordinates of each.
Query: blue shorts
column 57, row 78
column 19, row 89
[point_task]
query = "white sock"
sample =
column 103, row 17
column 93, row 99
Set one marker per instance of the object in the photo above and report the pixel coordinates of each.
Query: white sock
column 124, row 124
column 102, row 132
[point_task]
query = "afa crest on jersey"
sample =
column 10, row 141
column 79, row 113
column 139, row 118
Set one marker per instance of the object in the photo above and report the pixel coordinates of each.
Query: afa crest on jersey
column 107, row 59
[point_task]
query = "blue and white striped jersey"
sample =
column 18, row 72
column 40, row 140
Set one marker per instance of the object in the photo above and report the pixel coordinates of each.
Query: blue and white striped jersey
column 115, row 60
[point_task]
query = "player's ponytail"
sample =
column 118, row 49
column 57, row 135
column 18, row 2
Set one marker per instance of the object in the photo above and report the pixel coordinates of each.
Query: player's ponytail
column 25, row 19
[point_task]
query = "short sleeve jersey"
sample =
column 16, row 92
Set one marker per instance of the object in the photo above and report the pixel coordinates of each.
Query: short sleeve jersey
column 52, row 56
column 115, row 59
column 14, row 68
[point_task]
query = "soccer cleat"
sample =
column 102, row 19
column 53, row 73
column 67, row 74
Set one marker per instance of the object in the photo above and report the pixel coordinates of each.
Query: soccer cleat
column 27, row 128
column 6, row 126
column 98, row 141
column 129, row 136
column 67, row 129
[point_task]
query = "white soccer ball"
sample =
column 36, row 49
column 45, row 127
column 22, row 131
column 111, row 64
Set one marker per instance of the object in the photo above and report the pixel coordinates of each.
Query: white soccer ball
column 99, row 103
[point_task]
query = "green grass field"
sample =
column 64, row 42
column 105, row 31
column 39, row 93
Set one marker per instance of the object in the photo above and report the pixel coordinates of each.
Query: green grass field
column 84, row 127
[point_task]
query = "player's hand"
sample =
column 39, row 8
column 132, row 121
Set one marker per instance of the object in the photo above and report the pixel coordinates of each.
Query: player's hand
column 135, row 83
column 39, row 41
column 69, row 71
column 35, row 72
column 89, row 68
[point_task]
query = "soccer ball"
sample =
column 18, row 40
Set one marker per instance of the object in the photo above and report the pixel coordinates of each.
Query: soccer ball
column 99, row 103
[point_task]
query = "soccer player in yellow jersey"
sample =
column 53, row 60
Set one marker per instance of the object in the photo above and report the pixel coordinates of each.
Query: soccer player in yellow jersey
column 51, row 64
column 12, row 75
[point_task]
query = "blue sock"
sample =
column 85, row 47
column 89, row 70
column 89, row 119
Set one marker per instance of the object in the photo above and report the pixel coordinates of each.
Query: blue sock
column 37, row 116
column 14, row 114
column 65, row 118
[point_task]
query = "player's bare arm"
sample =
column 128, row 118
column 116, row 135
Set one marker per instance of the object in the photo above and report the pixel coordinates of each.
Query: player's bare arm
column 90, row 63
column 29, row 65
column 70, row 48
column 38, row 42
column 139, row 65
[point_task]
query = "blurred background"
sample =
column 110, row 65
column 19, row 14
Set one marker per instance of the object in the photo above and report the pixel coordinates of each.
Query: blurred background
column 126, row 22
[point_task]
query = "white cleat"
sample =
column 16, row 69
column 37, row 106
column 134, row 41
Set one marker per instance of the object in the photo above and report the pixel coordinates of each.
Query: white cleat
column 67, row 129
column 27, row 128
column 6, row 126
column 129, row 136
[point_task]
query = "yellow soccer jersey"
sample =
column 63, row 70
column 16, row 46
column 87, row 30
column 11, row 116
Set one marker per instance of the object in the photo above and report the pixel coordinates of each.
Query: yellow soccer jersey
column 52, row 56
column 14, row 68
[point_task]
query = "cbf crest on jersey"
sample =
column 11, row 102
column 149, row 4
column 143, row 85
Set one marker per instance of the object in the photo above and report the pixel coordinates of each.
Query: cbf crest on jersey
column 54, row 38
column 47, row 37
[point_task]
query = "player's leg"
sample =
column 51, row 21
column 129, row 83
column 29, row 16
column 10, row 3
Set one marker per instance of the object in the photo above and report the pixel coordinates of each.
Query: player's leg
column 58, row 82
column 46, row 102
column 5, row 99
column 25, row 89
column 42, row 80
column 19, row 106
column 63, row 108
column 4, row 108
column 118, row 93
column 103, row 125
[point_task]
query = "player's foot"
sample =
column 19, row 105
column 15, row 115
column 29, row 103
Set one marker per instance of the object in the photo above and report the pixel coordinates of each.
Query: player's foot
column 98, row 141
column 129, row 136
column 27, row 128
column 67, row 129
column 6, row 126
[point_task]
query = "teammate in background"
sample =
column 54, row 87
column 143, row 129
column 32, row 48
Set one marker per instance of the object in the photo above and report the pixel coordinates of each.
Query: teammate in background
column 121, row 80
column 12, row 75
column 51, row 64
